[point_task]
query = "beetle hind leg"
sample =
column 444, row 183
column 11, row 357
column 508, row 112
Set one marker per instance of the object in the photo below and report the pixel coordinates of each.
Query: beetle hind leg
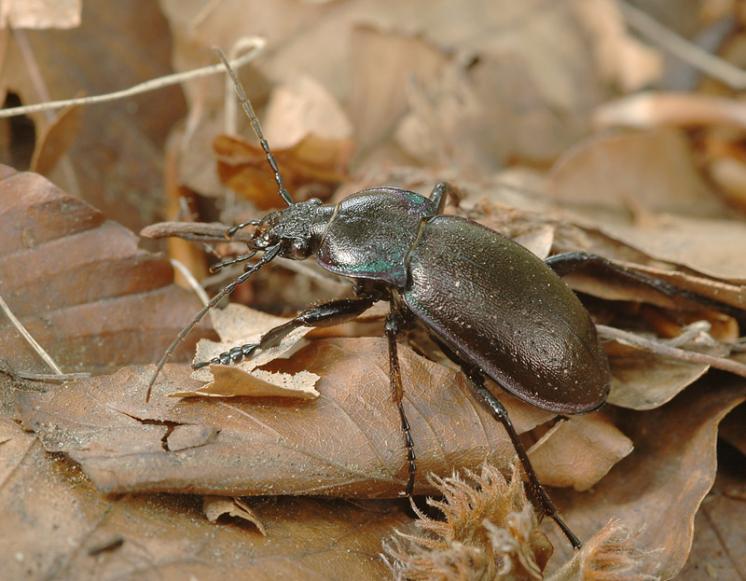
column 537, row 493
column 393, row 326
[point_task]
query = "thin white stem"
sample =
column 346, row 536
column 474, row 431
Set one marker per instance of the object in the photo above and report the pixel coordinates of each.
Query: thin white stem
column 151, row 85
column 664, row 350
column 26, row 335
column 683, row 49
column 193, row 282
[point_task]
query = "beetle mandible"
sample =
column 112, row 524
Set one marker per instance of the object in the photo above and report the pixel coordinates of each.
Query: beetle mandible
column 494, row 308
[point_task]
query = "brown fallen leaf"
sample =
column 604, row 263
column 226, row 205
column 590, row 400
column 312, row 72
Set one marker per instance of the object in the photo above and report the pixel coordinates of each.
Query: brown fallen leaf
column 615, row 175
column 348, row 442
column 232, row 381
column 579, row 452
column 56, row 525
column 215, row 507
column 301, row 108
column 116, row 158
column 41, row 14
column 239, row 325
column 315, row 165
column 79, row 283
column 657, row 489
column 55, row 140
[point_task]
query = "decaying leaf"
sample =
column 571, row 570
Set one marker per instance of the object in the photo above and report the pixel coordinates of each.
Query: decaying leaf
column 238, row 325
column 656, row 490
column 613, row 176
column 348, row 442
column 579, row 452
column 216, row 506
column 316, row 162
column 79, row 283
column 56, row 525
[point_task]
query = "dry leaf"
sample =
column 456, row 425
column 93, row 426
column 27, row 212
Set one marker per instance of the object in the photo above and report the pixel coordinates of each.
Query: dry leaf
column 615, row 175
column 579, row 452
column 79, row 283
column 657, row 489
column 301, row 108
column 56, row 525
column 239, row 325
column 620, row 57
column 115, row 161
column 232, row 381
column 40, row 14
column 641, row 380
column 55, row 140
column 314, row 163
column 216, row 506
column 348, row 442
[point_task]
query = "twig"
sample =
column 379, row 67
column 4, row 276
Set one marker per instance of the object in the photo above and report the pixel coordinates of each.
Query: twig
column 199, row 231
column 26, row 335
column 151, row 85
column 681, row 48
column 193, row 282
column 649, row 109
column 665, row 350
column 42, row 377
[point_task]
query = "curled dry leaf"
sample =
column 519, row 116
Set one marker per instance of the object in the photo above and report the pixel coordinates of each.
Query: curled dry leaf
column 55, row 140
column 216, row 506
column 240, row 325
column 348, row 442
column 79, row 283
column 657, row 489
column 578, row 452
column 316, row 162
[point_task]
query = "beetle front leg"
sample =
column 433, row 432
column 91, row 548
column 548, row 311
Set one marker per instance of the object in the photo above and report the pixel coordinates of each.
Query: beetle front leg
column 329, row 313
column 393, row 326
column 537, row 493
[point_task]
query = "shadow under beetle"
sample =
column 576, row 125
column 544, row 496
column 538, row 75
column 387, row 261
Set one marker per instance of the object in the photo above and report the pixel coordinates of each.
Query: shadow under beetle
column 495, row 308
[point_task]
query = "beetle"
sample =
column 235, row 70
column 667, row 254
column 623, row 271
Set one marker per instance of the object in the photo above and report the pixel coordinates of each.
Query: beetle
column 495, row 309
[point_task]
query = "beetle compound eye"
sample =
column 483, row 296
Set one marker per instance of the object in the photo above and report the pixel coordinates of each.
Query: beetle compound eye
column 298, row 248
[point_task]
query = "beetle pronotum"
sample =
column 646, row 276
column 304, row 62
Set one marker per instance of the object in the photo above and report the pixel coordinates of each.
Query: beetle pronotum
column 511, row 317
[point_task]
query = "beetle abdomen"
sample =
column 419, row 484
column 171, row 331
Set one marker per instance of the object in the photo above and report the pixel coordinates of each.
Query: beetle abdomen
column 499, row 307
column 371, row 233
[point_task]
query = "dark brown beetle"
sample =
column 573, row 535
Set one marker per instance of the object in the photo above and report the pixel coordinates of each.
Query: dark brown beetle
column 495, row 308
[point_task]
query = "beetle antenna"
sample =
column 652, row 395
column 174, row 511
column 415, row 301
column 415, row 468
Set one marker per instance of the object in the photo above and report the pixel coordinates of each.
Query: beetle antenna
column 249, row 110
column 269, row 255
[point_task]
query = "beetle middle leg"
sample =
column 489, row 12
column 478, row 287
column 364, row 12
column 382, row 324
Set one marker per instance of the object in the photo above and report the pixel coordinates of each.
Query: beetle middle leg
column 329, row 313
column 393, row 326
column 537, row 493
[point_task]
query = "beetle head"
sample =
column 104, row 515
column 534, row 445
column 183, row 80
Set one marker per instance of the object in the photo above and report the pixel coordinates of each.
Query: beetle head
column 297, row 228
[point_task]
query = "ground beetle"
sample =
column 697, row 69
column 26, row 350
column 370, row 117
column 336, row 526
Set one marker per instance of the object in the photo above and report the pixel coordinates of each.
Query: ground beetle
column 495, row 308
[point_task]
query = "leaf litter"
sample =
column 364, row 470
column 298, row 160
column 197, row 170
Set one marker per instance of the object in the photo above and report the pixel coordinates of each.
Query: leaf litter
column 518, row 102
